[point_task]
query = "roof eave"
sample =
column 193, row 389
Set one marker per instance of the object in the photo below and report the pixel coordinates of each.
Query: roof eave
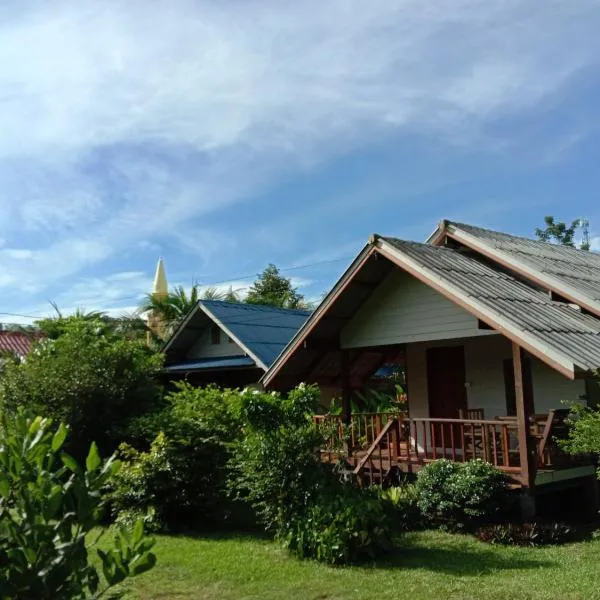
column 510, row 262
column 557, row 361
column 321, row 310
column 244, row 347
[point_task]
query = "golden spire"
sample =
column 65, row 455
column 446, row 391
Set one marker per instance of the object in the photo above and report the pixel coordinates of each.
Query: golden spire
column 160, row 288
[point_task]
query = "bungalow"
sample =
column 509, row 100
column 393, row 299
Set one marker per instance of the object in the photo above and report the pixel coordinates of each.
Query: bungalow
column 228, row 343
column 493, row 331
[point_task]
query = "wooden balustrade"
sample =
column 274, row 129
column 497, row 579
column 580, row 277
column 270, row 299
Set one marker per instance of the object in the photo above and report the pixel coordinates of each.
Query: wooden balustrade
column 376, row 441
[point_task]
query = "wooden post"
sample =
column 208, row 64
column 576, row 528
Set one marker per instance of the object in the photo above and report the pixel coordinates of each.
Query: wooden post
column 527, row 450
column 346, row 399
column 346, row 391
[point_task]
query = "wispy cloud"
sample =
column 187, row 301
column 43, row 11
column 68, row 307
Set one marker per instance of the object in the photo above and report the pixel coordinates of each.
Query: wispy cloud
column 125, row 121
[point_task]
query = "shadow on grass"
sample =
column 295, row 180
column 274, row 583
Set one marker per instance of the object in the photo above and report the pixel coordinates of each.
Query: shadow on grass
column 459, row 559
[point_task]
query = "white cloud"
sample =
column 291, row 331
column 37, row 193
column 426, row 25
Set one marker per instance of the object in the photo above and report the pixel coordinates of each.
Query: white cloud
column 124, row 121
column 595, row 243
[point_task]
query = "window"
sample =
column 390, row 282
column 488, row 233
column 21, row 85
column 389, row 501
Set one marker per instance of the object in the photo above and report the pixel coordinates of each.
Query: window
column 230, row 341
column 215, row 335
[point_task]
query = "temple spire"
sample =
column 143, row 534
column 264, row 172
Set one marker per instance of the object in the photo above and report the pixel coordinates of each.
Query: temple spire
column 161, row 287
column 160, row 291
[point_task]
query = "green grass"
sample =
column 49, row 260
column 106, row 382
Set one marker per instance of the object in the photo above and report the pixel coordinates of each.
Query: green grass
column 428, row 565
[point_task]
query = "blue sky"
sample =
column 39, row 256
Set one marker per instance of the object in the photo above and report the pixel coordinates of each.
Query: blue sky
column 227, row 135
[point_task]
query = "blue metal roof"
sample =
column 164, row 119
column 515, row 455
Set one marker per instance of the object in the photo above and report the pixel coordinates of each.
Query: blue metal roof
column 205, row 364
column 263, row 330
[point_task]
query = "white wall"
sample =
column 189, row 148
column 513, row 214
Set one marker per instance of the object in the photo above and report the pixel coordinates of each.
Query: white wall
column 204, row 348
column 402, row 310
column 485, row 377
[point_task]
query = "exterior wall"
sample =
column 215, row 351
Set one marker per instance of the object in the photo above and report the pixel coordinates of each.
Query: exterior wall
column 204, row 348
column 403, row 310
column 485, row 378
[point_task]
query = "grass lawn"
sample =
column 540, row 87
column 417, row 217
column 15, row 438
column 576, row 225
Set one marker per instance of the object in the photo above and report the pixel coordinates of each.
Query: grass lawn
column 429, row 565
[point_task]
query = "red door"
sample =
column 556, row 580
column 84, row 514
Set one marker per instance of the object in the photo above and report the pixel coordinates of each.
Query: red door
column 446, row 381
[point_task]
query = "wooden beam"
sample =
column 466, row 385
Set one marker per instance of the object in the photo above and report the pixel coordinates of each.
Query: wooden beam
column 527, row 450
column 346, row 389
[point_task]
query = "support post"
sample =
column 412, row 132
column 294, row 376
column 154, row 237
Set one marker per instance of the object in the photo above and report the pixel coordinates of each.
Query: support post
column 346, row 398
column 527, row 450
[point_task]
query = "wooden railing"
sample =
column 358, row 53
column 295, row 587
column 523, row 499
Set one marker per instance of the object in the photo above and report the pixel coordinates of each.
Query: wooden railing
column 375, row 441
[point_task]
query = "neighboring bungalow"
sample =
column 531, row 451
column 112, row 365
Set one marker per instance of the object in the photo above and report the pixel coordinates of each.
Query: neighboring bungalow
column 228, row 343
column 16, row 343
column 494, row 333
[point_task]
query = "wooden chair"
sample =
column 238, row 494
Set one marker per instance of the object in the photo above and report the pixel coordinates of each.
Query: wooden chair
column 473, row 438
column 471, row 414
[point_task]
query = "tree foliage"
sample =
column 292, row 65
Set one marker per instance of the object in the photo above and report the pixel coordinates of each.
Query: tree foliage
column 272, row 289
column 306, row 505
column 559, row 232
column 175, row 469
column 49, row 505
column 88, row 376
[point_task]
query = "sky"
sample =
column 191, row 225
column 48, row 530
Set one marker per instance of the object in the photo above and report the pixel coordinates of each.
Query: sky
column 226, row 135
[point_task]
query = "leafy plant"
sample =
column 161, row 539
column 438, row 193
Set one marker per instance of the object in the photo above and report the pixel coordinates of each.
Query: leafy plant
column 461, row 494
column 175, row 469
column 402, row 502
column 277, row 469
column 49, row 505
column 584, row 432
column 525, row 534
column 89, row 377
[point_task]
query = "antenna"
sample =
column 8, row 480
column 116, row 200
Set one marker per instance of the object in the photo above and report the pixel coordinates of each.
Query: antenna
column 585, row 233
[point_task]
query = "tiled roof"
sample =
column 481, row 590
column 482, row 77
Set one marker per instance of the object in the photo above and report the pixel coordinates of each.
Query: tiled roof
column 565, row 269
column 15, row 342
column 556, row 325
column 263, row 330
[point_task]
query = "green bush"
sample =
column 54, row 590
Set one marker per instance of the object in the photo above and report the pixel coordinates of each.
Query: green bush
column 402, row 505
column 49, row 504
column 175, row 469
column 584, row 432
column 461, row 494
column 89, row 377
column 300, row 500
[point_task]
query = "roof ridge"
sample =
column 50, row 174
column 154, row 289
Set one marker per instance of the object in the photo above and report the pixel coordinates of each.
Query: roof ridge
column 460, row 225
column 247, row 306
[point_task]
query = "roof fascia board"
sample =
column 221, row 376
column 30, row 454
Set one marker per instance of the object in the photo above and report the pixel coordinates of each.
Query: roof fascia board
column 438, row 235
column 549, row 356
column 226, row 329
column 181, row 327
column 320, row 311
column 521, row 268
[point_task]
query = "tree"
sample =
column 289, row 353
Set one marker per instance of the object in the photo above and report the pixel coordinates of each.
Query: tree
column 178, row 303
column 559, row 232
column 89, row 376
column 272, row 289
column 49, row 506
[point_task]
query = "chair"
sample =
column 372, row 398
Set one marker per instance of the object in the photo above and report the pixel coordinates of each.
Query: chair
column 474, row 437
column 471, row 414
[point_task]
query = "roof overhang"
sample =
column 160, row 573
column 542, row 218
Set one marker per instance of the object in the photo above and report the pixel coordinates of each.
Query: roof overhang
column 447, row 230
column 201, row 310
column 378, row 246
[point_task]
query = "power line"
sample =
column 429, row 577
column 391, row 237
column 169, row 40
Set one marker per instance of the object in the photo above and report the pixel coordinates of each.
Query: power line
column 204, row 285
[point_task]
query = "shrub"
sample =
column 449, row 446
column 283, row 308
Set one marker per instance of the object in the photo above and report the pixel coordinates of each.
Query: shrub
column 300, row 500
column 461, row 494
column 584, row 431
column 176, row 470
column 402, row 505
column 49, row 504
column 525, row 534
column 89, row 377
